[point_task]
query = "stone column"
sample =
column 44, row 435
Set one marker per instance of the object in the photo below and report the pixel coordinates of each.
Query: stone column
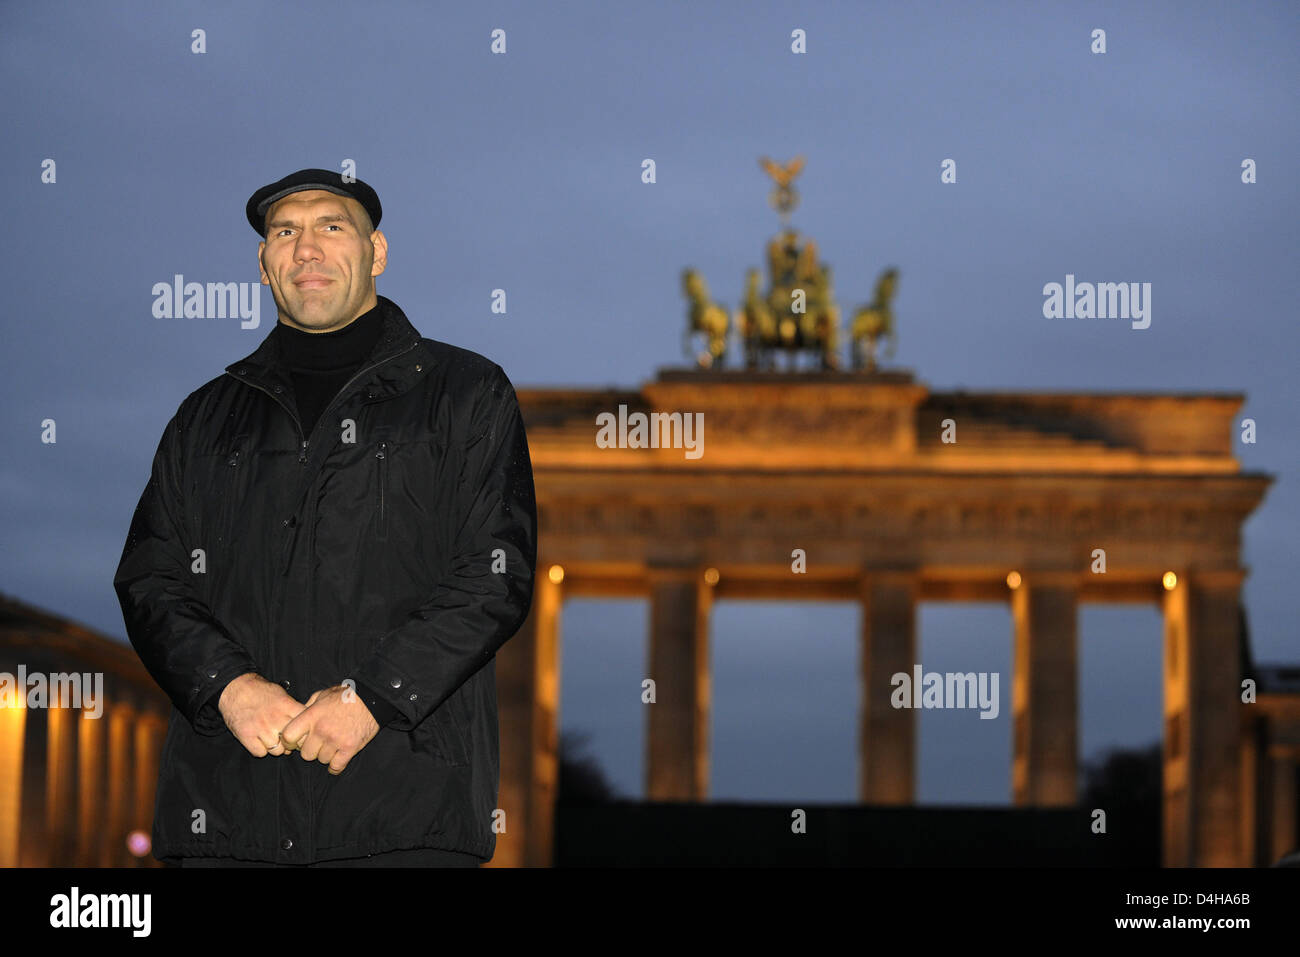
column 60, row 781
column 1253, row 770
column 90, row 788
column 1282, row 796
column 1201, row 781
column 677, row 746
column 887, row 646
column 150, row 730
column 13, row 721
column 528, row 696
column 113, row 849
column 1044, row 690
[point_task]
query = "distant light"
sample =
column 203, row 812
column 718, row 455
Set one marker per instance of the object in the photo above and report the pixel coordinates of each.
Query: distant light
column 1013, row 580
column 138, row 843
column 711, row 576
column 556, row 573
column 1169, row 581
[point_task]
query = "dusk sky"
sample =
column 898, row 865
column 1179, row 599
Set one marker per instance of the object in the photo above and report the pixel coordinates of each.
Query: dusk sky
column 523, row 171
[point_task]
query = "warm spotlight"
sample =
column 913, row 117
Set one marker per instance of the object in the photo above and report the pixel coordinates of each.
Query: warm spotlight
column 1013, row 579
column 556, row 573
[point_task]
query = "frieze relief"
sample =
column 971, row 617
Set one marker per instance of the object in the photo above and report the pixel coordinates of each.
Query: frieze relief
column 803, row 426
column 846, row 520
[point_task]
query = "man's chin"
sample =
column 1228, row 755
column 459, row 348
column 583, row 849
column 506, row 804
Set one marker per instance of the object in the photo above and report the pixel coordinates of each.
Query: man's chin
column 314, row 313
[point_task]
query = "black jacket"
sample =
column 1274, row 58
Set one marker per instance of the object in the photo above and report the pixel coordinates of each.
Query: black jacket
column 394, row 546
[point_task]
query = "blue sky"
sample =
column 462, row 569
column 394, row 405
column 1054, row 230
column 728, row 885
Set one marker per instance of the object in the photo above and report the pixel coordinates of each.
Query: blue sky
column 522, row 171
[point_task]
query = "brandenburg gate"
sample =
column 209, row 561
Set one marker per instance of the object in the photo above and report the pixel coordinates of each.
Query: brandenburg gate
column 866, row 485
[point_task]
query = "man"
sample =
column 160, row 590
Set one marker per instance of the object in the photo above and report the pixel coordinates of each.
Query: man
column 337, row 536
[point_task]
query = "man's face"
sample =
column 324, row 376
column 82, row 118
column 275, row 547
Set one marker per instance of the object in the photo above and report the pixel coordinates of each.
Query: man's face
column 319, row 259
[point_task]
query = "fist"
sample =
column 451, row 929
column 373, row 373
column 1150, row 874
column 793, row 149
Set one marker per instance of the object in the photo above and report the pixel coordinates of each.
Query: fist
column 256, row 710
column 333, row 727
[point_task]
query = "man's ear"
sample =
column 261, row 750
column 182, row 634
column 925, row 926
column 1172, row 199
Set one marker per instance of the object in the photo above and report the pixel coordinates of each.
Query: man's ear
column 266, row 280
column 381, row 253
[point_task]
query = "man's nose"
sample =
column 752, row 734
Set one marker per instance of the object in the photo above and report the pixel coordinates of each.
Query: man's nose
column 306, row 249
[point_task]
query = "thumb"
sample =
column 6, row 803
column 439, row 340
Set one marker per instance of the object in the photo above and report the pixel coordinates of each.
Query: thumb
column 292, row 733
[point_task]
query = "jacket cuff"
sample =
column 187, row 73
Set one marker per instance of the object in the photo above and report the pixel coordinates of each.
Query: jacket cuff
column 380, row 710
column 205, row 695
column 395, row 689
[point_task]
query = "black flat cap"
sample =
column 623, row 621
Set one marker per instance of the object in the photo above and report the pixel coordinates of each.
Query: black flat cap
column 325, row 179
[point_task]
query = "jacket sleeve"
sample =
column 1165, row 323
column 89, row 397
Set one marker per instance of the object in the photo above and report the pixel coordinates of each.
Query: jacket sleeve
column 475, row 609
column 188, row 652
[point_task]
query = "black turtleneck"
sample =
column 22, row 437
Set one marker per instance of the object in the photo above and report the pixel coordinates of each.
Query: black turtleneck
column 321, row 363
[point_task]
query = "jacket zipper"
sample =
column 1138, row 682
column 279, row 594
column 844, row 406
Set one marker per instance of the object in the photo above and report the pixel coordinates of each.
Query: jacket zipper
column 311, row 544
column 381, row 458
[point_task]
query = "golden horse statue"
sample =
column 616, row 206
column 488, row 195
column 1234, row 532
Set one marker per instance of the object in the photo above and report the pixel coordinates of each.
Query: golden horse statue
column 756, row 322
column 706, row 317
column 771, row 322
column 875, row 321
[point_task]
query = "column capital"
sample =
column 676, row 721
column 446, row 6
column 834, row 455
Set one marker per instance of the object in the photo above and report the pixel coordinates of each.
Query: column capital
column 1051, row 577
column 899, row 576
column 1215, row 577
column 663, row 572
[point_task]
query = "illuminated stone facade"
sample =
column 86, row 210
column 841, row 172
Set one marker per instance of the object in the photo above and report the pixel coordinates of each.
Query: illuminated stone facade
column 897, row 495
column 74, row 788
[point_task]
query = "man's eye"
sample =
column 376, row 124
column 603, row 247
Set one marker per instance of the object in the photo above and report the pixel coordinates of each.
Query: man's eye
column 333, row 226
column 282, row 232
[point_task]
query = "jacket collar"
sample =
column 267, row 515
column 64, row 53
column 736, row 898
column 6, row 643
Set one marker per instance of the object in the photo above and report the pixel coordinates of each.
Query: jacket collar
column 265, row 367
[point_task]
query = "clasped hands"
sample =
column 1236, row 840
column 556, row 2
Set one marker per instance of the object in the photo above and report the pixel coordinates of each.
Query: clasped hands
column 332, row 727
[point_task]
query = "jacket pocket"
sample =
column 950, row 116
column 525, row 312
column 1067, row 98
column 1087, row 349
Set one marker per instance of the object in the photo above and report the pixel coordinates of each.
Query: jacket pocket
column 169, row 742
column 449, row 734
